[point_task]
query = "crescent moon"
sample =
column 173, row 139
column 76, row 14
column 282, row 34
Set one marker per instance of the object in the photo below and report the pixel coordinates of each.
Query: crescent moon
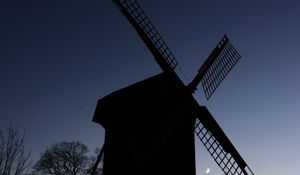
column 207, row 170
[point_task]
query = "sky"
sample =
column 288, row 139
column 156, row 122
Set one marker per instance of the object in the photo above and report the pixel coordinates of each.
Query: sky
column 57, row 58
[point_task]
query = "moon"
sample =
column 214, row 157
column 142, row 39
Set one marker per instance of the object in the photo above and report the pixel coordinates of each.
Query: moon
column 207, row 170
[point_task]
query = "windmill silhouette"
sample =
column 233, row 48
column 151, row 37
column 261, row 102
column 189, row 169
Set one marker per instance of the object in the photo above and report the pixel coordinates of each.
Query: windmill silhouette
column 150, row 125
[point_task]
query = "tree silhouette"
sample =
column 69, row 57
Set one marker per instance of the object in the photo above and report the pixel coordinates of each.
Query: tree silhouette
column 97, row 160
column 64, row 158
column 14, row 160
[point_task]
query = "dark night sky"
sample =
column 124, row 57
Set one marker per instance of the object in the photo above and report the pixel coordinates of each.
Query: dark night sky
column 59, row 57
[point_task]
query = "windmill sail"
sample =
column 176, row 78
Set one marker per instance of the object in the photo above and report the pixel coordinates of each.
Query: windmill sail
column 215, row 68
column 218, row 144
column 136, row 16
column 219, row 63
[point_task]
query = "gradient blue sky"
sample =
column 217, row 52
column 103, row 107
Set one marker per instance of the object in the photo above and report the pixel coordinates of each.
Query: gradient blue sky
column 57, row 58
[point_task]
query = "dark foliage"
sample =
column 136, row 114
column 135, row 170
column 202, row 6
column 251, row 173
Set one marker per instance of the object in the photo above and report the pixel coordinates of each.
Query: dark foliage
column 64, row 158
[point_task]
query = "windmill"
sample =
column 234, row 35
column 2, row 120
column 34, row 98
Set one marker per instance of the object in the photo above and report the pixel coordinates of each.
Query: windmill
column 150, row 125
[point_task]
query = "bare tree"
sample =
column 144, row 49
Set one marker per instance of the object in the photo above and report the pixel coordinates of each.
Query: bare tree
column 96, row 162
column 64, row 158
column 14, row 160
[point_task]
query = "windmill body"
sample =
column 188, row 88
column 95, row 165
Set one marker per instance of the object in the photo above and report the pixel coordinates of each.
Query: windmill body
column 149, row 128
column 150, row 125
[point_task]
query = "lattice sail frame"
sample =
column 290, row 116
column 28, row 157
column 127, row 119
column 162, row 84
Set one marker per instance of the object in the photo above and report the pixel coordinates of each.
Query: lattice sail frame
column 136, row 16
column 218, row 145
column 222, row 61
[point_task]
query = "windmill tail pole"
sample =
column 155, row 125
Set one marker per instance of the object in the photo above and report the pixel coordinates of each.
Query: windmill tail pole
column 94, row 169
column 192, row 87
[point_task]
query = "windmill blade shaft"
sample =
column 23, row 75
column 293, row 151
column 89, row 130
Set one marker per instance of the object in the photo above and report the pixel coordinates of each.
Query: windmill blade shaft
column 218, row 145
column 146, row 30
